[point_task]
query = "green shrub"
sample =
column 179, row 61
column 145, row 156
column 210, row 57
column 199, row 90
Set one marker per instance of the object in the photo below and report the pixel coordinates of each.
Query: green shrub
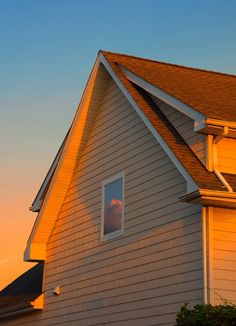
column 207, row 315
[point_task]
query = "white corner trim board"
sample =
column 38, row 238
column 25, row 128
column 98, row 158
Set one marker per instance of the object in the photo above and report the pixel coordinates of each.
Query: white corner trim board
column 207, row 254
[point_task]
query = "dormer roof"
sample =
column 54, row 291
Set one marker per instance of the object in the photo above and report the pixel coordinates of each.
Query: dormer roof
column 137, row 78
column 212, row 94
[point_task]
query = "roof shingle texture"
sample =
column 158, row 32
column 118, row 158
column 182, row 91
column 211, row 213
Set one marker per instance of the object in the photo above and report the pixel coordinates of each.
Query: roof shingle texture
column 211, row 93
column 27, row 287
column 203, row 178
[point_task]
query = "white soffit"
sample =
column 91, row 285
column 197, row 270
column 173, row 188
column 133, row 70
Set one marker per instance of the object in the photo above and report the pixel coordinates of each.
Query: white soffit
column 191, row 184
column 38, row 199
column 170, row 100
column 36, row 248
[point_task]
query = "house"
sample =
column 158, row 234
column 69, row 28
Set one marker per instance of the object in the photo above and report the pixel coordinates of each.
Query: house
column 137, row 214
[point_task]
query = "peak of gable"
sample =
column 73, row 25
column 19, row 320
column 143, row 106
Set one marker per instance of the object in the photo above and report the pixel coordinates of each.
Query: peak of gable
column 105, row 69
column 115, row 54
column 204, row 91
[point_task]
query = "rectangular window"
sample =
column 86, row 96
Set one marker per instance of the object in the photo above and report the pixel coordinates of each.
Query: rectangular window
column 112, row 207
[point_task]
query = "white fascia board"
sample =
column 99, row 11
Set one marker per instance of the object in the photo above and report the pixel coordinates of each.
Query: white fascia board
column 191, row 184
column 35, row 251
column 38, row 303
column 38, row 201
column 208, row 194
column 214, row 123
column 157, row 92
column 222, row 123
column 199, row 125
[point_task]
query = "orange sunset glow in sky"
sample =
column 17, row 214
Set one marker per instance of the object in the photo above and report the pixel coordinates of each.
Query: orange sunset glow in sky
column 48, row 49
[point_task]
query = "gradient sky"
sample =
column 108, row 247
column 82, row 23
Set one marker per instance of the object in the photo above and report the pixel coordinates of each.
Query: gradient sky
column 47, row 49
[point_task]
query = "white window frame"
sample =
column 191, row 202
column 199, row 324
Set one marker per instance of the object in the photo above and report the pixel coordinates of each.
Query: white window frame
column 120, row 232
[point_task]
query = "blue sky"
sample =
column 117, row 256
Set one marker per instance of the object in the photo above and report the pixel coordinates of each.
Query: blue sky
column 47, row 51
column 48, row 47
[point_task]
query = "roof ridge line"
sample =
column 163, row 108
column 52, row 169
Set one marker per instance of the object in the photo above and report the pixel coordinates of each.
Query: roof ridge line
column 169, row 64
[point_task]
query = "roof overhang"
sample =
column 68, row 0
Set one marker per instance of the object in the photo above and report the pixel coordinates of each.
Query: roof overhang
column 211, row 198
column 215, row 127
column 191, row 184
column 202, row 124
column 162, row 95
column 59, row 183
column 60, row 174
column 38, row 201
column 35, row 251
column 23, row 308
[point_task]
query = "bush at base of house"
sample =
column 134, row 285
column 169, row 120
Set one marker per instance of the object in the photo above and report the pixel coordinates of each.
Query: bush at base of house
column 207, row 315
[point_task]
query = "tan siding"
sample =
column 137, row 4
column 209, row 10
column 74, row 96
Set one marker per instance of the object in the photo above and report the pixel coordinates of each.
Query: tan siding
column 226, row 153
column 185, row 126
column 144, row 276
column 224, row 255
column 62, row 177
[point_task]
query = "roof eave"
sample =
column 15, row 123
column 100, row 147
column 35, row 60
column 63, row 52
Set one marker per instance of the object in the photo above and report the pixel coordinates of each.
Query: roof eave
column 214, row 127
column 191, row 184
column 38, row 201
column 22, row 308
column 62, row 173
column 36, row 247
column 162, row 95
column 211, row 198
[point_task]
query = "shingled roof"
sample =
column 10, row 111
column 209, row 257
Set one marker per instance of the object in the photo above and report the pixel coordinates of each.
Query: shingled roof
column 184, row 84
column 203, row 178
column 18, row 296
column 211, row 93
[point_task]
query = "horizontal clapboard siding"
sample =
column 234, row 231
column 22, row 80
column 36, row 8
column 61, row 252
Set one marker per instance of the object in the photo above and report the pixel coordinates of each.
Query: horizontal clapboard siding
column 226, row 153
column 185, row 126
column 144, row 276
column 224, row 255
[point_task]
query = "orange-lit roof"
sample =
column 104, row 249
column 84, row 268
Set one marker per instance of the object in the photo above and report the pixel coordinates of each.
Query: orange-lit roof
column 211, row 93
column 192, row 164
column 18, row 296
column 109, row 64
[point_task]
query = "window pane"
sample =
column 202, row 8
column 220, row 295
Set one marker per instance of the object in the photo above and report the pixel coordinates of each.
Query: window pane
column 113, row 206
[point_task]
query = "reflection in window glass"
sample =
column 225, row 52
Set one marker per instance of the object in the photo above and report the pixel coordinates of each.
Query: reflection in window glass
column 113, row 206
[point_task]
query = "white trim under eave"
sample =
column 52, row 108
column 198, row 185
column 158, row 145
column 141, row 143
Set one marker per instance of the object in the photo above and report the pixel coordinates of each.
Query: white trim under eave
column 191, row 184
column 38, row 303
column 38, row 200
column 170, row 100
column 37, row 251
column 221, row 123
column 200, row 126
column 211, row 198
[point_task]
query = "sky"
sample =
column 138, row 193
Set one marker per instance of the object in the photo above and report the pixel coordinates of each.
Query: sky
column 47, row 50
